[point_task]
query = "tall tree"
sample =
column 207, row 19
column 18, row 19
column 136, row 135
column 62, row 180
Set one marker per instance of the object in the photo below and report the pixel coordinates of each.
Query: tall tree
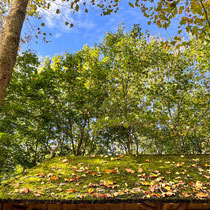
column 9, row 42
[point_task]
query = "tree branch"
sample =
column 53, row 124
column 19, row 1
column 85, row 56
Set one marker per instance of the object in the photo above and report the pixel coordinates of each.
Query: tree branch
column 207, row 19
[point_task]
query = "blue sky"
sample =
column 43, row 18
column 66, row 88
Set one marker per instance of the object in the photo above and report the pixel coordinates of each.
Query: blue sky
column 89, row 28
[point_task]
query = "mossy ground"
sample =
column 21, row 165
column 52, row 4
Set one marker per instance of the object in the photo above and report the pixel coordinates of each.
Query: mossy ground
column 122, row 177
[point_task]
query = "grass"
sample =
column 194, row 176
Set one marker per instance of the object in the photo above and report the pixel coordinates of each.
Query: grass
column 166, row 177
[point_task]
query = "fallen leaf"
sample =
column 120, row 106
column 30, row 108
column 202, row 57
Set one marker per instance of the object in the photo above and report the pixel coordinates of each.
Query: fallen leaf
column 71, row 190
column 50, row 175
column 17, row 185
column 68, row 180
column 38, row 193
column 59, row 189
column 202, row 195
column 90, row 191
column 140, row 169
column 129, row 170
column 178, row 164
column 145, row 183
column 186, row 195
column 153, row 175
column 191, row 183
column 108, row 171
column 24, row 190
column 65, row 161
column 198, row 184
column 80, row 196
column 206, row 176
column 200, row 169
column 54, row 178
column 41, row 174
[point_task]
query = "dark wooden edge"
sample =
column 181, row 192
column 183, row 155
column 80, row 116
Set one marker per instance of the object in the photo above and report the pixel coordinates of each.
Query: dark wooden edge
column 104, row 201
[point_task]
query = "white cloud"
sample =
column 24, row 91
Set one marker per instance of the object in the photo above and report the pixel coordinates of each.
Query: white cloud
column 55, row 20
column 58, row 35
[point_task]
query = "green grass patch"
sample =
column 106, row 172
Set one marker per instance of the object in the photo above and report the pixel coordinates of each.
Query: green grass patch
column 108, row 177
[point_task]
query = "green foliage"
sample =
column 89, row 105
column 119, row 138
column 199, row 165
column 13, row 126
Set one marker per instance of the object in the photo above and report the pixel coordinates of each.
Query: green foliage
column 192, row 16
column 129, row 94
column 12, row 155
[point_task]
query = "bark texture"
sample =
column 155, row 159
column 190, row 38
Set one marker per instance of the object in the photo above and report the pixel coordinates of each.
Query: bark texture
column 9, row 43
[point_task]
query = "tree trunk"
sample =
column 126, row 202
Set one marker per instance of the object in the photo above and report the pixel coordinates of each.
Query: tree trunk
column 9, row 43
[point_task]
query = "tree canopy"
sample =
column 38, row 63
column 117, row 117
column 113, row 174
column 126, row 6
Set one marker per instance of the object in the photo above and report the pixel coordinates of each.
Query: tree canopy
column 127, row 95
column 193, row 17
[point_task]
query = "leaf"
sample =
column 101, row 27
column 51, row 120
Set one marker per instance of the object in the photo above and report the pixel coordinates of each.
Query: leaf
column 107, row 184
column 153, row 175
column 131, row 4
column 186, row 195
column 38, row 193
column 145, row 183
column 167, row 188
column 41, row 174
column 198, row 184
column 57, row 11
column 206, row 176
column 178, row 164
column 65, row 161
column 50, row 175
column 129, row 170
column 202, row 195
column 102, row 195
column 43, row 24
column 54, row 178
column 108, row 171
column 140, row 170
column 17, row 185
column 93, row 173
column 24, row 190
column 71, row 190
column 77, row 8
column 200, row 169
column 90, row 191
column 169, row 193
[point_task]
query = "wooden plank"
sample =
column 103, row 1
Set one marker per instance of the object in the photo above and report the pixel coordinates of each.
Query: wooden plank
column 54, row 206
column 69, row 206
column 198, row 206
column 106, row 206
column 116, row 206
column 7, row 206
column 83, row 207
column 39, row 206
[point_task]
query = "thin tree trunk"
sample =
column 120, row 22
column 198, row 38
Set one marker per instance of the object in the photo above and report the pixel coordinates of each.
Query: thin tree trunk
column 9, row 43
column 80, row 140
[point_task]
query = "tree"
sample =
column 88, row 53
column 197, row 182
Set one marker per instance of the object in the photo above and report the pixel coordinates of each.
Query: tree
column 9, row 42
column 196, row 21
column 128, row 95
column 156, row 97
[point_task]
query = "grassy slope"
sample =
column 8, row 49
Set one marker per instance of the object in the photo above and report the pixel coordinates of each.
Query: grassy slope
column 87, row 178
